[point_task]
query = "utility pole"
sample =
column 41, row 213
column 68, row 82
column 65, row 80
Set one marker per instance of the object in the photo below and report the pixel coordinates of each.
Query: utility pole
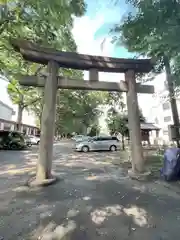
column 172, row 98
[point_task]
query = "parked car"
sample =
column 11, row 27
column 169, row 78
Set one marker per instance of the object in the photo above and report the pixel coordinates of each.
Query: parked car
column 98, row 143
column 12, row 140
column 35, row 140
column 27, row 140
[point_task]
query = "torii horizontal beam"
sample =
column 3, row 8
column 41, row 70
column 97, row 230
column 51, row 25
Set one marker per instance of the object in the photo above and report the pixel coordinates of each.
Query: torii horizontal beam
column 65, row 83
column 35, row 53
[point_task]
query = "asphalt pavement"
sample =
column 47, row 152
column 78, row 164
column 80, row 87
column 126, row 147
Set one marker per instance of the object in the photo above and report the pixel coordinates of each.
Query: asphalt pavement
column 94, row 200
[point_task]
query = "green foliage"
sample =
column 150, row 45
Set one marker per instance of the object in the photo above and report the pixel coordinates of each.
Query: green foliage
column 118, row 121
column 21, row 95
column 77, row 111
column 43, row 22
column 151, row 30
column 95, row 130
column 114, row 99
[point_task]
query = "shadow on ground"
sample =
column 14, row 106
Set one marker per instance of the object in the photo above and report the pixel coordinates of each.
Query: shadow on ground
column 95, row 200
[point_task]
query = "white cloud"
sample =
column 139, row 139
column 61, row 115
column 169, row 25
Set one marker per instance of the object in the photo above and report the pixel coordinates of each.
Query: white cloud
column 83, row 32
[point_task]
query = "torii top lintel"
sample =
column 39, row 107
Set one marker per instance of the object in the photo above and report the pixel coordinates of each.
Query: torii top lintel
column 35, row 53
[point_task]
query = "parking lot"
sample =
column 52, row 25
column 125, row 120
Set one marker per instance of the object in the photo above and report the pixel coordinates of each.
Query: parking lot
column 94, row 199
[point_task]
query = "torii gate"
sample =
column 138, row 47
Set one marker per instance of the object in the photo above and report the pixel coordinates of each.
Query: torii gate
column 94, row 64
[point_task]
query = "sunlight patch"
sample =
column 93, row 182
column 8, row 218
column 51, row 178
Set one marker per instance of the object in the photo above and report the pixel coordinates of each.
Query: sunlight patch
column 139, row 215
column 100, row 215
column 72, row 213
column 86, row 198
column 91, row 178
column 19, row 171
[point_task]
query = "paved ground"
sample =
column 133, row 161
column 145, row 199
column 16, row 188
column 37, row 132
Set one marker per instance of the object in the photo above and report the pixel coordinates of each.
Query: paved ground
column 95, row 200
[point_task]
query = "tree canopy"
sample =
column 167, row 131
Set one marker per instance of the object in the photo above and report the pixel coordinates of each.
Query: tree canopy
column 151, row 30
column 77, row 111
column 43, row 22
column 117, row 122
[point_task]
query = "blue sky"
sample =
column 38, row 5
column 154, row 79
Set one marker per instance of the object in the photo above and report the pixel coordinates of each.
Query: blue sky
column 91, row 32
column 92, row 29
column 113, row 12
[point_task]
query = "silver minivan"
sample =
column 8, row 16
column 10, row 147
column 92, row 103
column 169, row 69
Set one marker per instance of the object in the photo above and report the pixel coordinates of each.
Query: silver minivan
column 98, row 143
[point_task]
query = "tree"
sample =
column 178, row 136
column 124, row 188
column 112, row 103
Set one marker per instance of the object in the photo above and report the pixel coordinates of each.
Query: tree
column 118, row 123
column 151, row 30
column 41, row 22
column 44, row 22
column 77, row 111
column 23, row 97
column 115, row 100
column 94, row 130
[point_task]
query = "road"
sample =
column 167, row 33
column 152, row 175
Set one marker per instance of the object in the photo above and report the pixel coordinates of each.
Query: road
column 95, row 200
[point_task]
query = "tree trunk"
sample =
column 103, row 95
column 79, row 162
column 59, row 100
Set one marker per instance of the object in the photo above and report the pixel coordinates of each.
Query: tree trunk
column 44, row 163
column 174, row 110
column 134, row 124
column 19, row 117
column 123, row 145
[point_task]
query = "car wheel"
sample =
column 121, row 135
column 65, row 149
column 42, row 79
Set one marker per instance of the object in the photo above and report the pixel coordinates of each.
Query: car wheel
column 85, row 149
column 38, row 142
column 113, row 148
column 14, row 146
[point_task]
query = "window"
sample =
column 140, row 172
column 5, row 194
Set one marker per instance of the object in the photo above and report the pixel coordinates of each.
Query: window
column 17, row 135
column 166, row 106
column 105, row 138
column 165, row 132
column 7, row 126
column 165, row 85
column 167, row 119
column 32, row 131
column 156, row 120
column 114, row 138
column 3, row 133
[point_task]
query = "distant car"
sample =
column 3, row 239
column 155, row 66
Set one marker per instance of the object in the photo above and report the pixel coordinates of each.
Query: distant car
column 98, row 144
column 13, row 140
column 34, row 140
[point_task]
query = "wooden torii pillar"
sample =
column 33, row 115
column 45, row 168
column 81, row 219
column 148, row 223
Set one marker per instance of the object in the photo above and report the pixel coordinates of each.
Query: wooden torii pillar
column 55, row 59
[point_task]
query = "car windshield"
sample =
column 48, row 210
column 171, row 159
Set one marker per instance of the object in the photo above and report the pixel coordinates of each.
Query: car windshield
column 79, row 136
column 26, row 137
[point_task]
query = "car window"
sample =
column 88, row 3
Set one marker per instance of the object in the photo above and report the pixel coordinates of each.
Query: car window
column 94, row 138
column 17, row 135
column 105, row 138
column 114, row 138
column 4, row 133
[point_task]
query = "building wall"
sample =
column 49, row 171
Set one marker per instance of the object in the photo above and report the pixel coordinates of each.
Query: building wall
column 27, row 118
column 6, row 112
column 158, row 108
column 26, row 129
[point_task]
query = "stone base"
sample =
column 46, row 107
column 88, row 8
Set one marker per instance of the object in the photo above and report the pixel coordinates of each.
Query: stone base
column 33, row 182
column 139, row 176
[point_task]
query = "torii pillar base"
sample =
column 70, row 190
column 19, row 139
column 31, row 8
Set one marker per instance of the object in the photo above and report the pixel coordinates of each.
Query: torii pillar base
column 139, row 176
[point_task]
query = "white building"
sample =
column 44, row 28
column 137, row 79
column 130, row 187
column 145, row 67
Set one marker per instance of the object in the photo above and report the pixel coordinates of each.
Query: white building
column 9, row 111
column 157, row 108
column 6, row 112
